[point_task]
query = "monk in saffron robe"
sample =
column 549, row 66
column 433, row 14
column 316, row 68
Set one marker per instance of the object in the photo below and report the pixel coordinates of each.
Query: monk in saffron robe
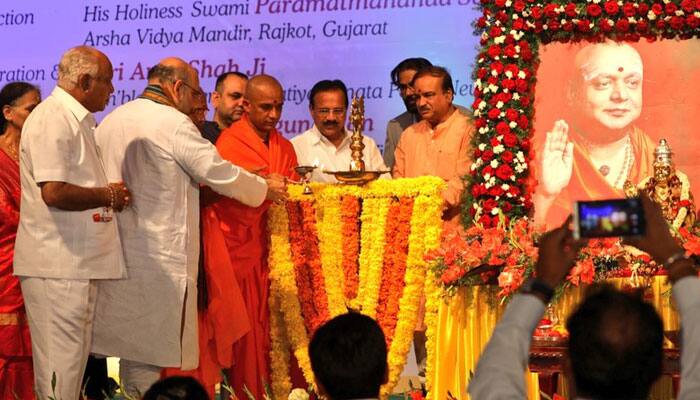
column 591, row 157
column 253, row 143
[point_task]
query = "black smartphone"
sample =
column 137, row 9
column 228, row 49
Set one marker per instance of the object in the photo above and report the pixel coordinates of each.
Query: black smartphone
column 609, row 218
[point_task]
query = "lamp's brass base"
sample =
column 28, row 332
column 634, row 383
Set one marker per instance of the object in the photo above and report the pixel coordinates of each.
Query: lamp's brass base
column 356, row 177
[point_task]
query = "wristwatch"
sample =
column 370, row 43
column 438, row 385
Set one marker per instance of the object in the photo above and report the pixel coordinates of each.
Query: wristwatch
column 534, row 285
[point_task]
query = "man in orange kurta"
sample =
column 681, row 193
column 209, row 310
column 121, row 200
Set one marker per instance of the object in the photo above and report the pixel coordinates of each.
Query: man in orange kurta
column 253, row 143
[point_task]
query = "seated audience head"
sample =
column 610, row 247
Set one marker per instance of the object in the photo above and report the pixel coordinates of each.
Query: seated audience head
column 17, row 100
column 434, row 92
column 227, row 98
column 176, row 388
column 349, row 357
column 401, row 77
column 178, row 80
column 263, row 103
column 615, row 345
column 86, row 74
column 328, row 104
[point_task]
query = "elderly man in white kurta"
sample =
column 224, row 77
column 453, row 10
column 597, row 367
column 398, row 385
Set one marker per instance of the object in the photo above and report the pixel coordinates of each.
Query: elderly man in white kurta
column 66, row 238
column 327, row 144
column 150, row 319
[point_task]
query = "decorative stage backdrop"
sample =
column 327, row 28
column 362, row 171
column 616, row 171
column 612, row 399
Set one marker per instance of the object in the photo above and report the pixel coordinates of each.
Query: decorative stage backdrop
column 298, row 41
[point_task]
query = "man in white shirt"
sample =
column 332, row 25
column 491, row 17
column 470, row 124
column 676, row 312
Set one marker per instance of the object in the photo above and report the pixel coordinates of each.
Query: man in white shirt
column 150, row 319
column 615, row 342
column 327, row 144
column 66, row 238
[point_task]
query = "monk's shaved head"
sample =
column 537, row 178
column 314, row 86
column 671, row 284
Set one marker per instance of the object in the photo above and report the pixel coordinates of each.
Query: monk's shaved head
column 262, row 83
column 263, row 102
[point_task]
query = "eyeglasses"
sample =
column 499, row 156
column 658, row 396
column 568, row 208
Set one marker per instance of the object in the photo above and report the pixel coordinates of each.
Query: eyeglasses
column 194, row 90
column 328, row 111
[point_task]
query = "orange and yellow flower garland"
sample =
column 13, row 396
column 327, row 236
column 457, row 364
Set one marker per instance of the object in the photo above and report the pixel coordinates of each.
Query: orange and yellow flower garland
column 420, row 200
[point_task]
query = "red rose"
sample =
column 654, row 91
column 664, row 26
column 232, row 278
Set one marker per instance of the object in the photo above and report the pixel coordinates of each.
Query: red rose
column 660, row 24
column 524, row 100
column 509, row 51
column 688, row 5
column 553, row 25
column 495, row 31
column 657, row 9
column 539, row 26
column 481, row 22
column 510, row 140
column 593, row 10
column 497, row 66
column 487, row 155
column 536, row 12
column 502, row 17
column 642, row 9
column 519, row 6
column 622, row 25
column 568, row 26
column 489, row 204
column 605, row 25
column 505, row 97
column 507, row 156
column 506, row 207
column 485, row 221
column 693, row 21
column 502, row 128
column 481, row 73
column 494, row 142
column 487, row 171
column 583, row 25
column 521, row 85
column 500, row 3
column 496, row 191
column 492, row 80
column 523, row 122
column 479, row 123
column 670, row 8
column 525, row 144
column 677, row 22
column 477, row 154
column 550, row 10
column 504, row 172
column 519, row 24
column 509, row 39
column 494, row 51
column 508, row 84
column 512, row 68
column 570, row 10
column 628, row 9
column 511, row 114
column 526, row 53
column 478, row 190
column 611, row 7
column 494, row 113
column 514, row 191
column 475, row 103
column 642, row 26
column 524, row 45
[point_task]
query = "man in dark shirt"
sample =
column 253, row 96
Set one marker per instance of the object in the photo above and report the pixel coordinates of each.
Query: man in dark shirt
column 227, row 100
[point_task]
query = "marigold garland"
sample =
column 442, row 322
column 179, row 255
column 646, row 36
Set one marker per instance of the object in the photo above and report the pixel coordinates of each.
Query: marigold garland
column 330, row 228
column 315, row 215
column 279, row 351
column 351, row 245
column 426, row 225
column 392, row 282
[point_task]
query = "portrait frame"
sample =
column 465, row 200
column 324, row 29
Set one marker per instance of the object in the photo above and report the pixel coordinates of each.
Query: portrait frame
column 500, row 184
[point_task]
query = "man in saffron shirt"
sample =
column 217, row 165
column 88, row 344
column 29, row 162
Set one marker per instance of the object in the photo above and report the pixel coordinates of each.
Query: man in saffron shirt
column 253, row 143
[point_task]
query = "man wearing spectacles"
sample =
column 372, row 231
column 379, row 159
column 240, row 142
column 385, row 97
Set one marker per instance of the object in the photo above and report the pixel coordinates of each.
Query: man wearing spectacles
column 327, row 144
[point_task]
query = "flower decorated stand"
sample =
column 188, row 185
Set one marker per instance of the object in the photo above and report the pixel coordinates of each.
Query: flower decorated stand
column 344, row 248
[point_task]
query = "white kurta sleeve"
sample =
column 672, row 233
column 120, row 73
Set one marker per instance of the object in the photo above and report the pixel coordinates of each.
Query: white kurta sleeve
column 51, row 145
column 199, row 158
column 501, row 368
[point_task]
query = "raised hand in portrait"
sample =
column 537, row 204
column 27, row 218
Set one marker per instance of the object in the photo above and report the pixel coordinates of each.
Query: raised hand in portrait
column 557, row 159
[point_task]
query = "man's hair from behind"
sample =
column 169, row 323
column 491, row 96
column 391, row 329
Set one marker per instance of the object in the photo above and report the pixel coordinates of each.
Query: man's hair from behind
column 437, row 72
column 166, row 73
column 416, row 64
column 176, row 388
column 615, row 345
column 218, row 87
column 77, row 61
column 349, row 357
column 327, row 86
